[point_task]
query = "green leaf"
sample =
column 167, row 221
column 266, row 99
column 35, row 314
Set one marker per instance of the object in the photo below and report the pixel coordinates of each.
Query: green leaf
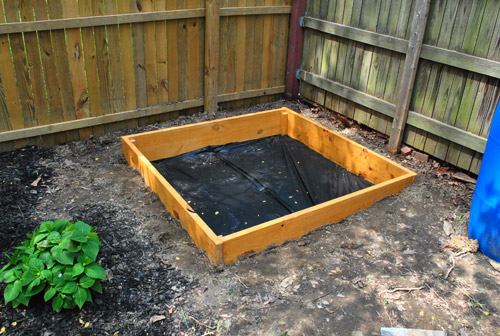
column 57, row 276
column 63, row 245
column 80, row 297
column 69, row 303
column 74, row 246
column 60, row 224
column 27, row 278
column 21, row 299
column 84, row 259
column 46, row 226
column 97, row 286
column 34, row 283
column 9, row 276
column 36, row 265
column 63, row 257
column 57, row 303
column 69, row 288
column 11, row 292
column 54, row 237
column 46, row 258
column 47, row 274
column 89, row 295
column 39, row 237
column 49, row 294
column 86, row 282
column 91, row 249
column 35, row 289
column 68, row 274
column 82, row 229
column 95, row 271
column 43, row 244
column 79, row 238
column 78, row 269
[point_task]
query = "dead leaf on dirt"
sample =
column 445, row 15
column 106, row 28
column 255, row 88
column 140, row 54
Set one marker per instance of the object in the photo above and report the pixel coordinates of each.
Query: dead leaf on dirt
column 409, row 252
column 357, row 282
column 156, row 318
column 495, row 265
column 35, row 182
column 448, row 228
column 463, row 244
column 463, row 177
column 286, row 282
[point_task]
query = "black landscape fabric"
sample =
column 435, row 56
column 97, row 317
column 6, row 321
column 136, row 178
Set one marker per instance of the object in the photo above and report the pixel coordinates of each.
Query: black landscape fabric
column 238, row 185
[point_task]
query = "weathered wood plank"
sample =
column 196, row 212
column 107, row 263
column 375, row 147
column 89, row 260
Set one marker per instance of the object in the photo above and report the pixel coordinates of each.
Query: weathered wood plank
column 42, row 115
column 172, row 56
column 127, row 58
column 409, row 73
column 62, row 67
column 436, row 54
column 102, row 60
column 89, row 52
column 12, row 114
column 139, row 58
column 118, row 103
column 173, row 107
column 77, row 68
column 161, row 54
column 415, row 119
column 150, row 56
column 211, row 54
column 21, row 67
column 134, row 17
column 194, row 86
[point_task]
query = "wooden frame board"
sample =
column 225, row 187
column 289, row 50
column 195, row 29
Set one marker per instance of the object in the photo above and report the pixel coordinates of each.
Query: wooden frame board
column 141, row 149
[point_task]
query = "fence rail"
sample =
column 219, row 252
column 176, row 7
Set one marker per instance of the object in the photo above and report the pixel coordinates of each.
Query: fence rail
column 353, row 60
column 73, row 68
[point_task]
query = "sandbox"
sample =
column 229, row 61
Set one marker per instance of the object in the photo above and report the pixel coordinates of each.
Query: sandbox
column 213, row 176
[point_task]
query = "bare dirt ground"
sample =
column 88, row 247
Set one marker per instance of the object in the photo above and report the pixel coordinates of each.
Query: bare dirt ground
column 381, row 267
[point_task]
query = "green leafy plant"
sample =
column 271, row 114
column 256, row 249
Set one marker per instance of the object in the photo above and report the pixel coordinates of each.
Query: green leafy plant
column 59, row 259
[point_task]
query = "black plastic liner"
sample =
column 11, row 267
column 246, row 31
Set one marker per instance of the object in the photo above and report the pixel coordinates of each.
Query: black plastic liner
column 236, row 186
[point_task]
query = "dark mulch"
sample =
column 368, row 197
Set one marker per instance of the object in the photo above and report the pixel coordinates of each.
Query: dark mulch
column 140, row 284
column 18, row 171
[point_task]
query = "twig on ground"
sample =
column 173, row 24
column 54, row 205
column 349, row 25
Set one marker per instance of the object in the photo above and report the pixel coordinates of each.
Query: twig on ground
column 163, row 261
column 201, row 324
column 460, row 253
column 444, row 301
column 403, row 289
column 322, row 296
column 451, row 268
column 264, row 307
column 241, row 282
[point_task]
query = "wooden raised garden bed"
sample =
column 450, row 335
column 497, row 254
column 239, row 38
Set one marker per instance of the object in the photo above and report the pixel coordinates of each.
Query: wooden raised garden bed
column 142, row 149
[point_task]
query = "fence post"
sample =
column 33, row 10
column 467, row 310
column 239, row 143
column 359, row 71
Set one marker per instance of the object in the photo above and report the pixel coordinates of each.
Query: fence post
column 409, row 72
column 212, row 19
column 294, row 48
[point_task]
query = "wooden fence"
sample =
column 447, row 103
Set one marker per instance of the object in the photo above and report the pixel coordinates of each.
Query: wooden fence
column 72, row 68
column 354, row 59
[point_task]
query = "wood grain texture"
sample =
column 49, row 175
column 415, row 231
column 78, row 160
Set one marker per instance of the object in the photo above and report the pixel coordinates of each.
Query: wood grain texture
column 450, row 95
column 409, row 73
column 91, row 59
column 141, row 149
column 212, row 27
column 201, row 234
column 77, row 68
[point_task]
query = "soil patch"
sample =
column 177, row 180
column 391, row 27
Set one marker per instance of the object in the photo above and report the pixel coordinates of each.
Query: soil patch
column 347, row 278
